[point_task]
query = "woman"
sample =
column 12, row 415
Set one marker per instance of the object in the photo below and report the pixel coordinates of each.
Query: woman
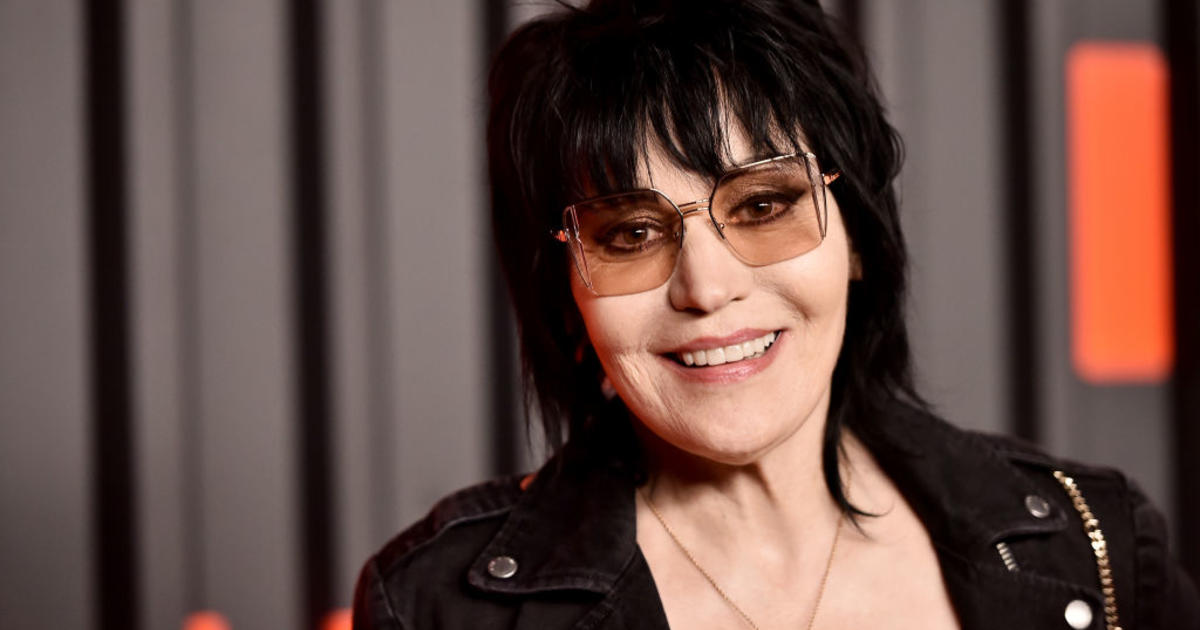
column 718, row 324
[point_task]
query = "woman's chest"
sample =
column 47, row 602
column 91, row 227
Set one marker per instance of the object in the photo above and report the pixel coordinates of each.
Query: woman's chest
column 867, row 593
column 897, row 588
column 888, row 578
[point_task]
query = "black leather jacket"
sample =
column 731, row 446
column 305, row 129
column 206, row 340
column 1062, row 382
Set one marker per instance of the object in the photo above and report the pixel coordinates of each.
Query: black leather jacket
column 569, row 541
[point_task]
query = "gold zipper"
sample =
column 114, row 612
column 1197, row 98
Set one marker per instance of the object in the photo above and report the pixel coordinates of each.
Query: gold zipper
column 1091, row 527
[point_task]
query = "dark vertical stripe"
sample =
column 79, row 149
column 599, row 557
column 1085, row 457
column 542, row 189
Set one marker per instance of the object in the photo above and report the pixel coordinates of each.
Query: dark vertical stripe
column 114, row 527
column 1019, row 174
column 191, row 455
column 852, row 20
column 310, row 283
column 1181, row 27
column 502, row 400
column 381, row 410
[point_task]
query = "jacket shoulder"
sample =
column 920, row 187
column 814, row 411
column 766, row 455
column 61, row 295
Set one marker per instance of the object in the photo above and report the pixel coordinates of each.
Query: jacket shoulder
column 1030, row 456
column 490, row 500
column 1162, row 595
column 427, row 561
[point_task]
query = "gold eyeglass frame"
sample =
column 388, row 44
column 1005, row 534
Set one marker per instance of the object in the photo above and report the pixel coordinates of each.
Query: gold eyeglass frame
column 570, row 222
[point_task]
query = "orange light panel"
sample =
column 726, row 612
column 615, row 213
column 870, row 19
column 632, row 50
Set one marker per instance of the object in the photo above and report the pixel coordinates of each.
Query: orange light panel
column 206, row 620
column 1120, row 224
column 337, row 620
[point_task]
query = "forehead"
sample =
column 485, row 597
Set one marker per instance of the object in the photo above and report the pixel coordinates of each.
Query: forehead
column 667, row 153
column 657, row 163
column 657, row 169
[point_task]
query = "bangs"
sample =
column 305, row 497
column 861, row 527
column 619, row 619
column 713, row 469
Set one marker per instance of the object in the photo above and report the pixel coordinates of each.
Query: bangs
column 675, row 84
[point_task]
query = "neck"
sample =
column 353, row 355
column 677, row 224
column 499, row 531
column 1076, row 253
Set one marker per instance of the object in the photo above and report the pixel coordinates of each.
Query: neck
column 778, row 499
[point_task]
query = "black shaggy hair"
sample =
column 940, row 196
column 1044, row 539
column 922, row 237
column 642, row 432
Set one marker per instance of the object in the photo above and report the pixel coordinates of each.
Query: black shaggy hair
column 576, row 96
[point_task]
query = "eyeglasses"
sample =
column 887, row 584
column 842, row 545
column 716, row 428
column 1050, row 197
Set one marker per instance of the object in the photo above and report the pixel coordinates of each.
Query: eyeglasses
column 766, row 212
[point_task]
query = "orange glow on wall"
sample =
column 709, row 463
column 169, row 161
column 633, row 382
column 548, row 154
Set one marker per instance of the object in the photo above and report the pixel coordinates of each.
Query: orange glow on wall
column 206, row 620
column 1120, row 222
column 337, row 620
column 211, row 620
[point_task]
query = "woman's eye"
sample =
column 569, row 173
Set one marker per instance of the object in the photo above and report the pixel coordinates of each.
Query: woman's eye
column 634, row 236
column 760, row 210
column 631, row 237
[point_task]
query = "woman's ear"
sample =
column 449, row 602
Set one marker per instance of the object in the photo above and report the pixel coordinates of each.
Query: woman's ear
column 856, row 272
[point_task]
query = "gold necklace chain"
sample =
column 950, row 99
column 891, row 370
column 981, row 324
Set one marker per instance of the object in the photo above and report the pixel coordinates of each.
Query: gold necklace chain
column 720, row 591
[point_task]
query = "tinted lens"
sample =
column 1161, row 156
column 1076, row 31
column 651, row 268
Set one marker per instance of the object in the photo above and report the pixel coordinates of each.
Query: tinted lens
column 625, row 243
column 771, row 211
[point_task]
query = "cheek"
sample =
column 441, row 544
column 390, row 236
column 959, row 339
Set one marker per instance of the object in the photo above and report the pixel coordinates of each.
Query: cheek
column 620, row 329
column 815, row 287
column 617, row 327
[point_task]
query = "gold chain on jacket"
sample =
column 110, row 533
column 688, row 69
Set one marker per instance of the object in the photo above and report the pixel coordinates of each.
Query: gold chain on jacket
column 1091, row 527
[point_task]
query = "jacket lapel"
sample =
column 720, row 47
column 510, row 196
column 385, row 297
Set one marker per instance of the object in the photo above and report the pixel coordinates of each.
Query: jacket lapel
column 987, row 596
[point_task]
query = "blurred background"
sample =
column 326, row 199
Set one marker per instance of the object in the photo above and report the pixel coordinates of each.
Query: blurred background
column 251, row 326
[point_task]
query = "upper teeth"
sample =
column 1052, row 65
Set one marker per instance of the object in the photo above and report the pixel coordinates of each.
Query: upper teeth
column 729, row 354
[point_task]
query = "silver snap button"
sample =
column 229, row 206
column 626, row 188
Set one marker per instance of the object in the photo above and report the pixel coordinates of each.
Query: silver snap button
column 1078, row 614
column 502, row 567
column 1037, row 506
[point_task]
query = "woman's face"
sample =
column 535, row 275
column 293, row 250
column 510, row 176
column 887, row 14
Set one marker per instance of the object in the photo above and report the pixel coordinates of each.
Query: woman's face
column 736, row 412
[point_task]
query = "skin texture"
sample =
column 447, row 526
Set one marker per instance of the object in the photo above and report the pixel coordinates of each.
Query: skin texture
column 735, row 461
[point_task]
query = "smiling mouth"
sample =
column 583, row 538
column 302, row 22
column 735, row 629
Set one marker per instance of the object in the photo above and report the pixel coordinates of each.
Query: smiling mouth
column 727, row 354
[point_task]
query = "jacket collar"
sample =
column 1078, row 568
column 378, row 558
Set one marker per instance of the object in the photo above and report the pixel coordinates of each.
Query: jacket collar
column 967, row 493
column 575, row 526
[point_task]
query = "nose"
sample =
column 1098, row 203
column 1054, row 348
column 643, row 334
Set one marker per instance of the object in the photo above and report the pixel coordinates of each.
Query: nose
column 707, row 274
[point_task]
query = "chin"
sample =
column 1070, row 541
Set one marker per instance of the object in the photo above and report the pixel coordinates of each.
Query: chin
column 734, row 458
column 729, row 434
column 726, row 445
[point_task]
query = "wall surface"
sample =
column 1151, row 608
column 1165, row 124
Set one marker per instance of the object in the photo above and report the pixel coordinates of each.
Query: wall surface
column 947, row 109
column 311, row 367
column 45, row 485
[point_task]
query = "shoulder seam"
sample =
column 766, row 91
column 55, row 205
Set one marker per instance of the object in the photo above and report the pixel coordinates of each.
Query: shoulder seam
column 387, row 601
column 1023, row 452
column 394, row 563
column 485, row 501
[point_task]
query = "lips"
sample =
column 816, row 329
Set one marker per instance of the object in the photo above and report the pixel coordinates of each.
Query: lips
column 714, row 352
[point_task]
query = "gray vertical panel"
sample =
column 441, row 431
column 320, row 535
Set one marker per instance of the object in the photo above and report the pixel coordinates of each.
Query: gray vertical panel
column 1123, row 426
column 1048, row 37
column 937, row 65
column 246, row 419
column 45, row 561
column 433, row 106
column 376, row 252
column 351, row 338
column 155, row 333
column 888, row 40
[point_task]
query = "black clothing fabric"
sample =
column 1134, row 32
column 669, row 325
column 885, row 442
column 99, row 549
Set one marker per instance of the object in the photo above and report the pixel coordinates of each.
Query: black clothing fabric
column 572, row 536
